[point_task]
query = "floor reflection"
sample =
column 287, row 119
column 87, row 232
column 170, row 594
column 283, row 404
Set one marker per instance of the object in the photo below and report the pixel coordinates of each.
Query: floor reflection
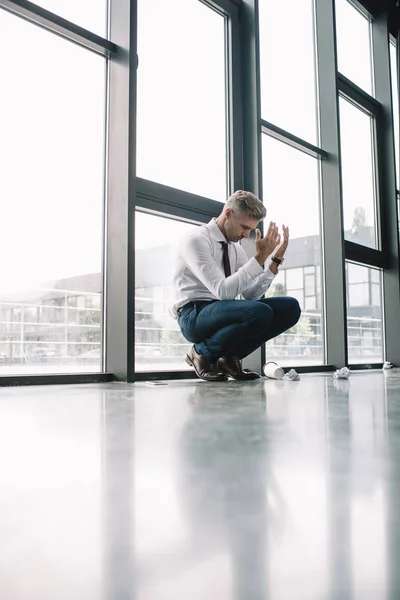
column 271, row 490
column 275, row 490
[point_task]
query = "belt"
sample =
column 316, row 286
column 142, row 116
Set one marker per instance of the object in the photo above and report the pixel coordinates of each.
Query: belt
column 179, row 311
column 193, row 304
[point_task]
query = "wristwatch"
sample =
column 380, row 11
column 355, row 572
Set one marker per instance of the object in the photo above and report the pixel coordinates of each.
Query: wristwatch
column 276, row 260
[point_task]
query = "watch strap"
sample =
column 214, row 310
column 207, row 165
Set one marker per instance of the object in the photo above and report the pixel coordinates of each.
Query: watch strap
column 276, row 260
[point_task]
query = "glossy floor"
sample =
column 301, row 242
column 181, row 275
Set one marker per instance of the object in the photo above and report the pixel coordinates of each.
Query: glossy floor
column 194, row 491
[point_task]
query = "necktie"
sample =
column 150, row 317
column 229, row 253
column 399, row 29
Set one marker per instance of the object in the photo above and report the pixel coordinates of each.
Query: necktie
column 225, row 259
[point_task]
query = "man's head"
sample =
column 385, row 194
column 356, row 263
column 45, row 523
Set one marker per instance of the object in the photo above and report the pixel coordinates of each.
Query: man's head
column 242, row 212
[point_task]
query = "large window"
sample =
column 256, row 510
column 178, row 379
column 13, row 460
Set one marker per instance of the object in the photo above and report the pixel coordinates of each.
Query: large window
column 358, row 175
column 90, row 14
column 181, row 129
column 159, row 344
column 296, row 205
column 288, row 87
column 364, row 314
column 354, row 45
column 395, row 105
column 366, row 248
column 52, row 123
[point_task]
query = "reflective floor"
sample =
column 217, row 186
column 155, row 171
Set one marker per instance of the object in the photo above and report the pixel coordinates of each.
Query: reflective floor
column 192, row 491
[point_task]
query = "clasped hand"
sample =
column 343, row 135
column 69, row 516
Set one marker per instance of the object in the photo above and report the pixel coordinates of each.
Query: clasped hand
column 272, row 242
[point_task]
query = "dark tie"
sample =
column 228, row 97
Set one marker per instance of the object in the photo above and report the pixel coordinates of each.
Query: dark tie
column 225, row 259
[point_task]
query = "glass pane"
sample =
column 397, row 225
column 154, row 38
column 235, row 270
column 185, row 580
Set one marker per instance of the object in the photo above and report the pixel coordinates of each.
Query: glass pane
column 364, row 318
column 395, row 101
column 90, row 14
column 51, row 213
column 309, row 282
column 303, row 344
column 294, row 279
column 181, row 97
column 288, row 83
column 358, row 294
column 310, row 303
column 358, row 176
column 159, row 344
column 354, row 45
column 358, row 273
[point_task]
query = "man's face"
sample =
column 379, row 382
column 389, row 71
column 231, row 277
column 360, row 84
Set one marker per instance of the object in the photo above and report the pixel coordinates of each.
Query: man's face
column 238, row 226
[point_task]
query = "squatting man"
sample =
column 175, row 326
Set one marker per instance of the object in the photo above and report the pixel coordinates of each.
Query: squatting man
column 220, row 304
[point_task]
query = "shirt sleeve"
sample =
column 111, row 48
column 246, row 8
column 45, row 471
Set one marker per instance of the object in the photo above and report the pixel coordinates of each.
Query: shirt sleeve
column 258, row 287
column 196, row 253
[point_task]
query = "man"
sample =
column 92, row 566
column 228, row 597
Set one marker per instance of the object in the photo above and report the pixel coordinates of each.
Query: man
column 213, row 270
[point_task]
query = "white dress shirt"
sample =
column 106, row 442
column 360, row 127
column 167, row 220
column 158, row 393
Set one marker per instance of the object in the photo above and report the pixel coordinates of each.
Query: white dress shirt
column 199, row 272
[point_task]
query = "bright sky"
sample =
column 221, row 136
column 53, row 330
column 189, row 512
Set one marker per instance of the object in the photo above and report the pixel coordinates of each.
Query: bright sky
column 288, row 94
column 181, row 96
column 90, row 14
column 52, row 126
column 354, row 45
column 51, row 156
column 357, row 163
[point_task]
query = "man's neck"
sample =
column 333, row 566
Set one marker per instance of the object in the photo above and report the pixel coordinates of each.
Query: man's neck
column 220, row 226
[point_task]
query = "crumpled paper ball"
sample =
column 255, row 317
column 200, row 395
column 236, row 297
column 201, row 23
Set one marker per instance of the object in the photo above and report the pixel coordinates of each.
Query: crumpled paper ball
column 387, row 365
column 292, row 375
column 342, row 373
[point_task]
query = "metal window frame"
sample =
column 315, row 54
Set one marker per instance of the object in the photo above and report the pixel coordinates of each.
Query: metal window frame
column 163, row 200
column 126, row 192
column 234, row 148
column 387, row 188
column 372, row 108
column 55, row 24
column 333, row 290
column 380, row 107
column 121, row 188
column 318, row 152
column 55, row 379
column 292, row 140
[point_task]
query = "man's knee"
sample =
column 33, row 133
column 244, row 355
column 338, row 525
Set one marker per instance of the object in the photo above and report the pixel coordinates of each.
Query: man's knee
column 258, row 315
column 293, row 310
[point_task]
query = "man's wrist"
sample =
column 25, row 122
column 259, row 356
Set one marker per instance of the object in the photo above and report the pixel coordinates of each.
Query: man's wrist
column 277, row 259
column 260, row 259
column 273, row 267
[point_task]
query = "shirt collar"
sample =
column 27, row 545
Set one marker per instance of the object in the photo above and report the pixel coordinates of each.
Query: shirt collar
column 215, row 231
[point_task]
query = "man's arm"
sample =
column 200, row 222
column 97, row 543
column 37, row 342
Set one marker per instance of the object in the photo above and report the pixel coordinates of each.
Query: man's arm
column 256, row 290
column 260, row 285
column 195, row 252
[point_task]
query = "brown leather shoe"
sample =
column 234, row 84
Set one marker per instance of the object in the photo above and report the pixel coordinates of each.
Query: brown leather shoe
column 205, row 369
column 233, row 367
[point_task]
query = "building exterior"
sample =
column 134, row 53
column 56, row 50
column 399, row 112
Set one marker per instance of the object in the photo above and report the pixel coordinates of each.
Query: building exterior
column 62, row 322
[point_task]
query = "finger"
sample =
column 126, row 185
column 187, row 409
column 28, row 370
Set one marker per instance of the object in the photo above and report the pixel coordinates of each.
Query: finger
column 274, row 230
column 270, row 228
column 258, row 235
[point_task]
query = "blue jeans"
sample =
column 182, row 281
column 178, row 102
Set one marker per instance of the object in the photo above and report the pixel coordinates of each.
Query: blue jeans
column 237, row 327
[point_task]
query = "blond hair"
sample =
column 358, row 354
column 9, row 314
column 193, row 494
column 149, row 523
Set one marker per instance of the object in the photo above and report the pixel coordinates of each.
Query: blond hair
column 246, row 203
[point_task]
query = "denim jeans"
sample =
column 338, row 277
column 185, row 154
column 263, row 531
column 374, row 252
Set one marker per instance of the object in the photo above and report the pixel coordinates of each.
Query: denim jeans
column 236, row 327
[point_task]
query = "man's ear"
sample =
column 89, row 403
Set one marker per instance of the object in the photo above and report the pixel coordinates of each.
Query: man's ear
column 228, row 212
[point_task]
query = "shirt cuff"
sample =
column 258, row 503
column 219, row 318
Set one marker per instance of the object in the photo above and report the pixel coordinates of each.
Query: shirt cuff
column 269, row 274
column 254, row 268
